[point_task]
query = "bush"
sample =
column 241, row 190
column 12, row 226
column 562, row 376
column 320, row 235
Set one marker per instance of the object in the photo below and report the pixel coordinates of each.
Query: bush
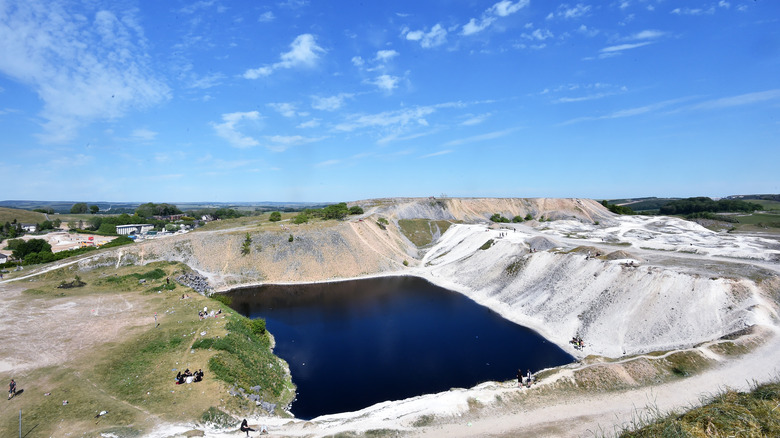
column 275, row 216
column 355, row 210
column 301, row 218
column 291, row 238
column 517, row 219
column 406, row 263
column 528, row 217
column 498, row 218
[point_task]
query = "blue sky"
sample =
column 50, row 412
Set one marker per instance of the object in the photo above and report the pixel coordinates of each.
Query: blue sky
column 345, row 100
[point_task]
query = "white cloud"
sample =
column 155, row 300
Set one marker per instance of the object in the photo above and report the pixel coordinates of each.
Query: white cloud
column 435, row 37
column 330, row 103
column 284, row 108
column 474, row 26
column 205, row 82
column 266, row 17
column 313, row 123
column 304, row 52
column 385, row 82
column 693, row 11
column 229, row 129
column 569, row 12
column 646, row 35
column 143, row 134
column 83, row 68
column 501, row 9
column 538, row 35
column 385, row 55
column 357, row 61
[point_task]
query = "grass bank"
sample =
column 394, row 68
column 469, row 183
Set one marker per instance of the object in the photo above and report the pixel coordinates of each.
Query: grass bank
column 129, row 372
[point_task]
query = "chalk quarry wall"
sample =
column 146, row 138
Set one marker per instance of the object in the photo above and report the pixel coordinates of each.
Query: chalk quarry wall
column 617, row 309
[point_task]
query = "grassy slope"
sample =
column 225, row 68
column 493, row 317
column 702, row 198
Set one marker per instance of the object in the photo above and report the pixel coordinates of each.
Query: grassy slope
column 731, row 413
column 23, row 216
column 131, row 379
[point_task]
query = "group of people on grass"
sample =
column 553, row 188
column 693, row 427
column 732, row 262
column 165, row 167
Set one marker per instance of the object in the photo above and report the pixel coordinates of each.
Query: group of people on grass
column 188, row 376
column 578, row 343
column 203, row 314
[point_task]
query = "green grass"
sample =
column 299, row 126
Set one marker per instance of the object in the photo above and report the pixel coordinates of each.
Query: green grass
column 421, row 231
column 728, row 414
column 22, row 216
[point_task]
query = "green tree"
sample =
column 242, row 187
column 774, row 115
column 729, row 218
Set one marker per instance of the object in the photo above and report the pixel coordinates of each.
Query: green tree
column 275, row 216
column 29, row 247
column 79, row 208
column 517, row 219
column 528, row 217
column 94, row 209
column 356, row 209
column 46, row 225
column 57, row 222
column 246, row 247
column 300, row 218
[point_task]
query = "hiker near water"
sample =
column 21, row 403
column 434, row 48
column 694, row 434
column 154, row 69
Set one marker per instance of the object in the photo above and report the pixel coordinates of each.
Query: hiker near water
column 245, row 427
column 519, row 377
column 11, row 389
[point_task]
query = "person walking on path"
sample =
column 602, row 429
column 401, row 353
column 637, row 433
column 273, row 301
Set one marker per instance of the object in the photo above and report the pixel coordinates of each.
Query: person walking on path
column 11, row 389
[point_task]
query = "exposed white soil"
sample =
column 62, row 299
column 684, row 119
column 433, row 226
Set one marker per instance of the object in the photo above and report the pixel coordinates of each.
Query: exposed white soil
column 627, row 285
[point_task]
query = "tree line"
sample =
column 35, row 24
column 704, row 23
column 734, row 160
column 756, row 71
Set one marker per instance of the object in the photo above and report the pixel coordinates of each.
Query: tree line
column 704, row 204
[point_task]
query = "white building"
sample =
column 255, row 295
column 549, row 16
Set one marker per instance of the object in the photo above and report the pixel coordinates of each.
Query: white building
column 124, row 230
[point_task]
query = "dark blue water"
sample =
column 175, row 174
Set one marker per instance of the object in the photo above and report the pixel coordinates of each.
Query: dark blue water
column 356, row 343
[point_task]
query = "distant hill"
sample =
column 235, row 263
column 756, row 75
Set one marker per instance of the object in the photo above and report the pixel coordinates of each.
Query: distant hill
column 22, row 216
column 130, row 207
column 759, row 197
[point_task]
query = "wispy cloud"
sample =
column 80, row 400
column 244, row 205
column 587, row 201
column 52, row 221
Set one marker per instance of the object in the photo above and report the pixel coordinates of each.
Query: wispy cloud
column 304, row 52
column 741, row 100
column 230, row 127
column 385, row 55
column 82, row 68
column 433, row 38
column 436, row 154
column 622, row 47
column 490, row 15
column 402, row 117
column 630, row 112
column 482, row 137
column 475, row 120
column 266, row 17
column 327, row 163
column 280, row 143
column 143, row 134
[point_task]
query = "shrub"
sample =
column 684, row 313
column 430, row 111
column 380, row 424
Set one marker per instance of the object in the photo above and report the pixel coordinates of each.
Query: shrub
column 355, row 210
column 275, row 216
column 246, row 247
column 301, row 218
column 498, row 218
column 291, row 238
column 486, row 245
column 517, row 219
column 406, row 263
column 528, row 217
